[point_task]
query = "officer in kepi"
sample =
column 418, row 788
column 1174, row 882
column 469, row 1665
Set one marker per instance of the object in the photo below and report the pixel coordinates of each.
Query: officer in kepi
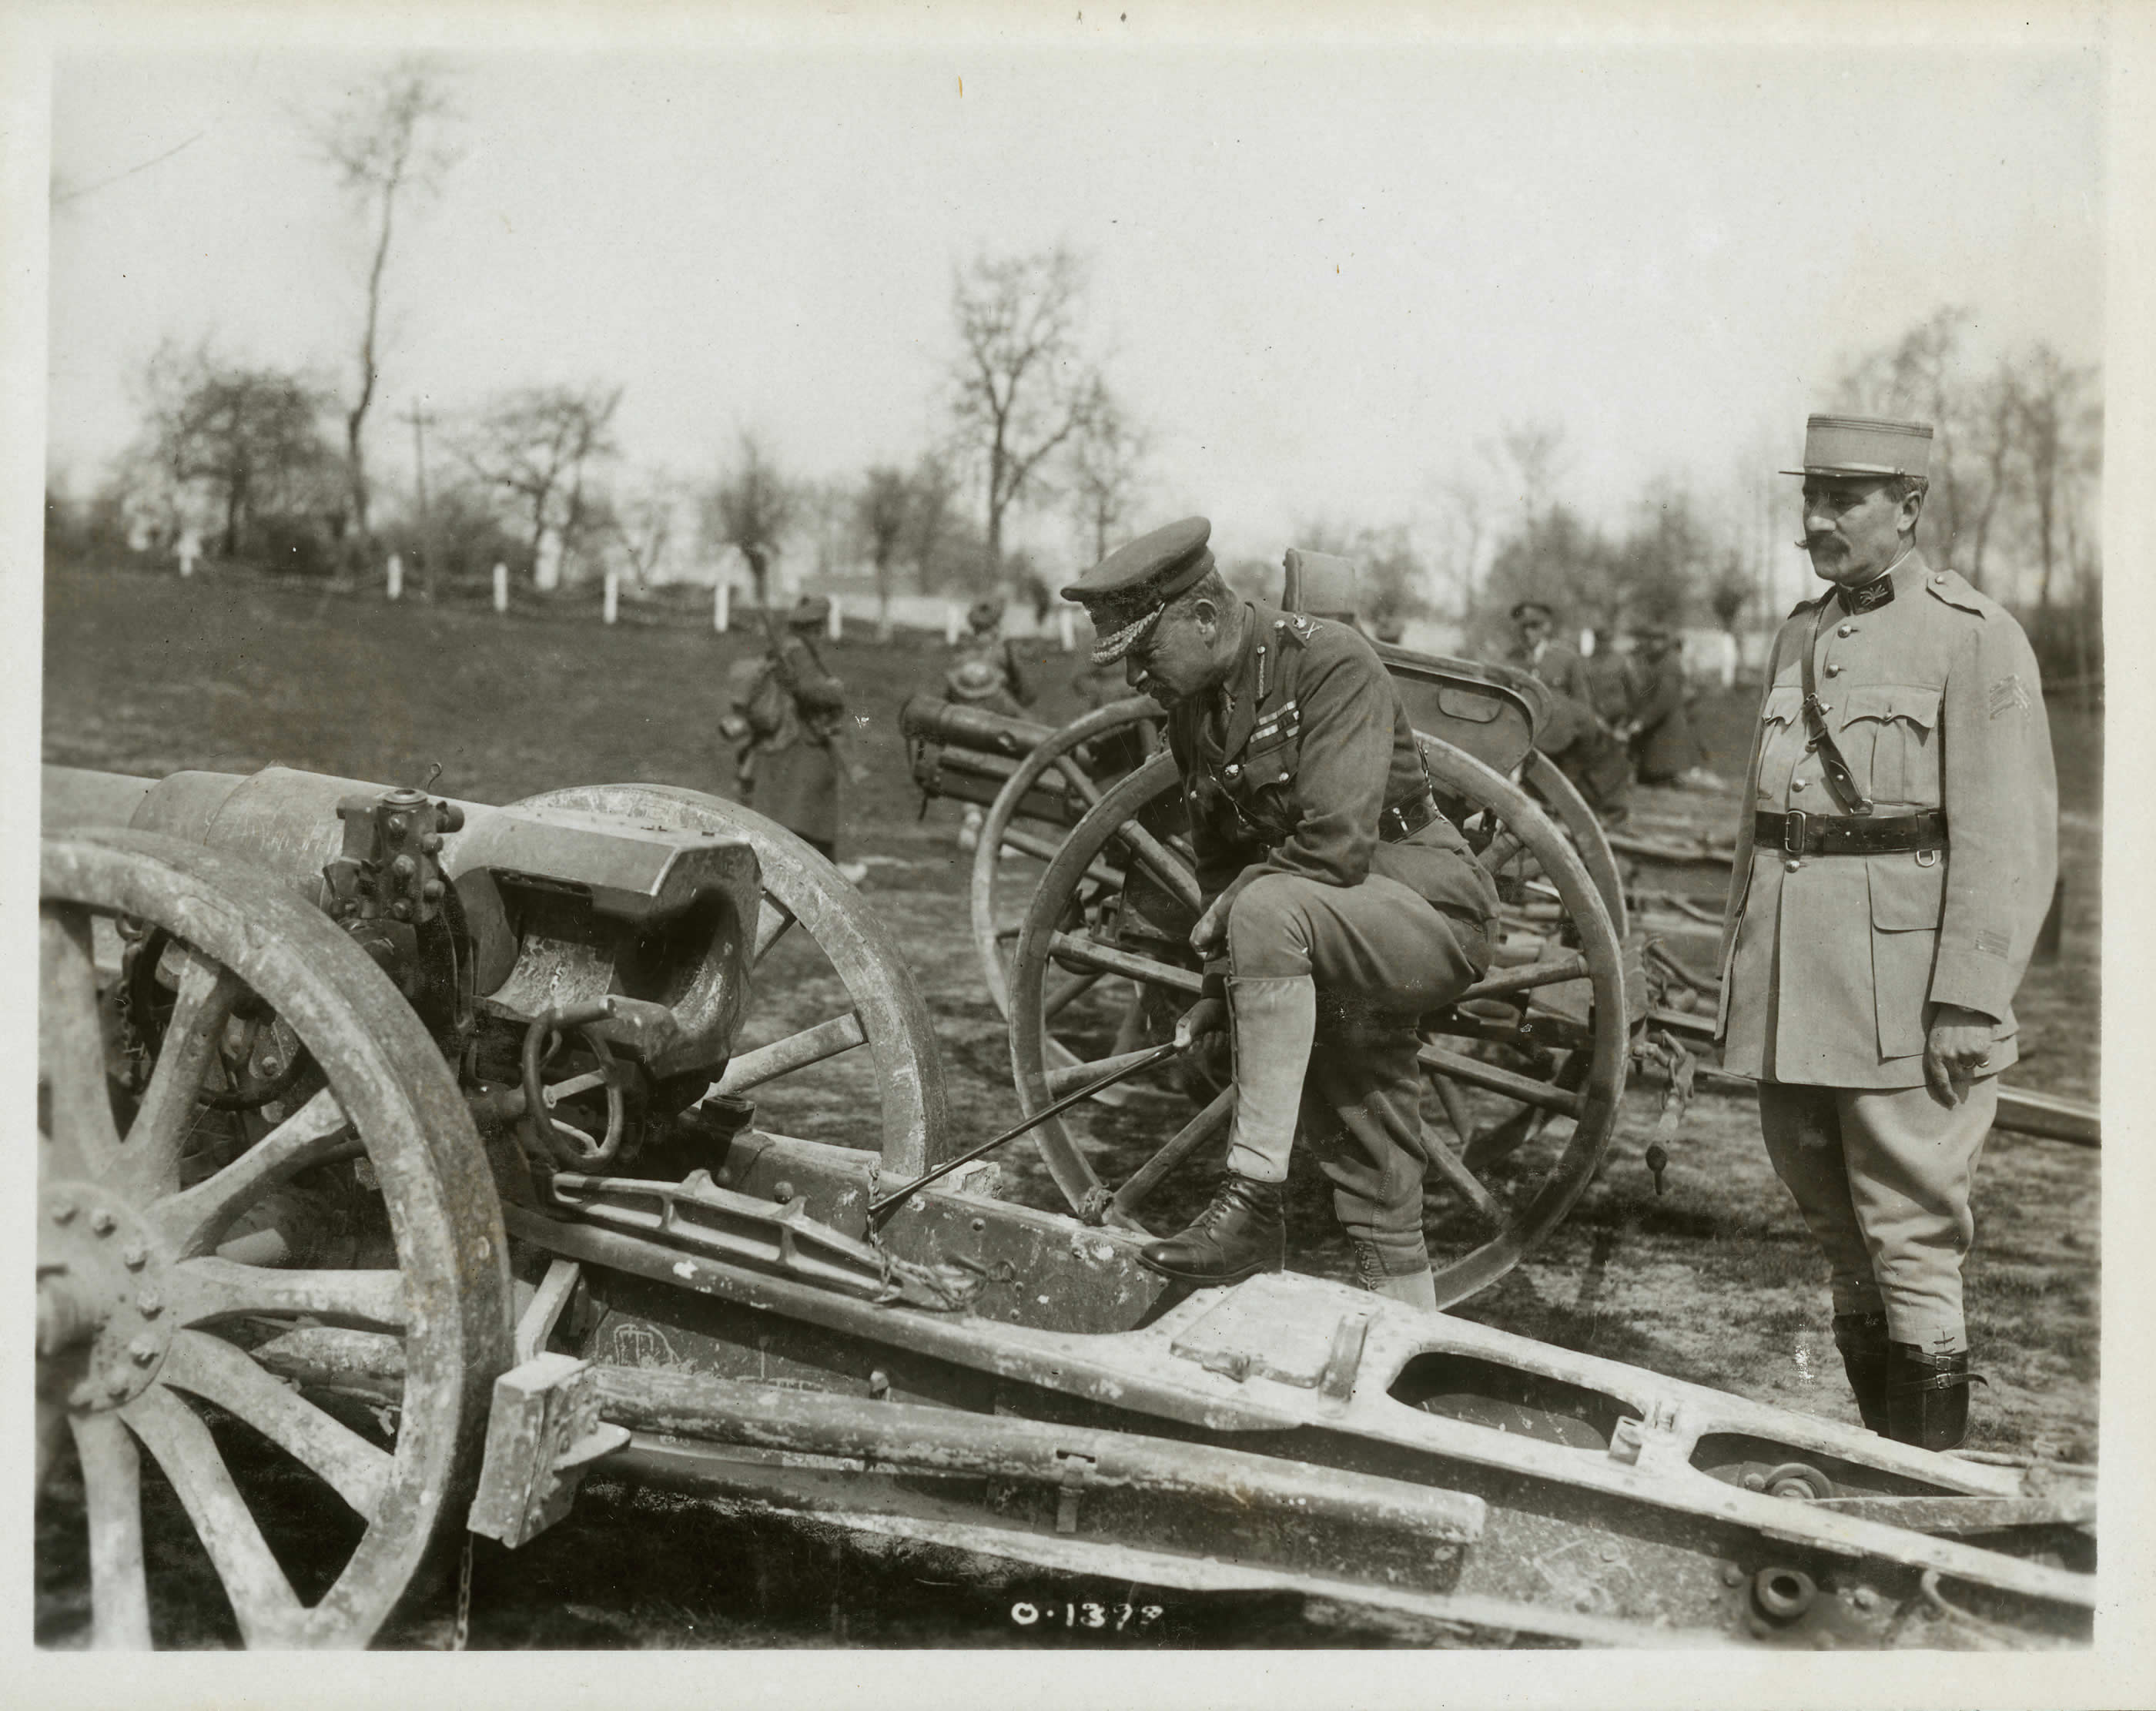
column 1894, row 862
column 1339, row 904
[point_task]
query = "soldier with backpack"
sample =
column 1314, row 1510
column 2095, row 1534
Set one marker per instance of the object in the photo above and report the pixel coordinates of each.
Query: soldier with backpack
column 789, row 716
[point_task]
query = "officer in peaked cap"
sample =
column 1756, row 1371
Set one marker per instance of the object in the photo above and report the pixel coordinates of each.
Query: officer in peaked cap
column 1895, row 858
column 1339, row 903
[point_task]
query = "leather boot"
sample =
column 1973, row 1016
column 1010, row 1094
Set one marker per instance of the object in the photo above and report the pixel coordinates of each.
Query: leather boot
column 1862, row 1337
column 1928, row 1396
column 1240, row 1235
column 1275, row 1019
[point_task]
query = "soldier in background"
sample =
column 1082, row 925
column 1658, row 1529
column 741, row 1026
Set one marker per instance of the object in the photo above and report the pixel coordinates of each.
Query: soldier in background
column 1660, row 734
column 984, row 641
column 789, row 716
column 1895, row 856
column 1586, row 750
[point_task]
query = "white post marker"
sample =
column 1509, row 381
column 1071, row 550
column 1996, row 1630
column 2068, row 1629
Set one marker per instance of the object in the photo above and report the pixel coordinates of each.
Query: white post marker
column 190, row 549
column 396, row 578
column 611, row 606
column 1586, row 644
column 950, row 621
column 501, row 588
column 836, row 622
column 1728, row 653
column 722, row 600
column 1065, row 628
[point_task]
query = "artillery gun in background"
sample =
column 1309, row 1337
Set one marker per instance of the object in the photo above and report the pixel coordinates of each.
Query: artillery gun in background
column 412, row 1137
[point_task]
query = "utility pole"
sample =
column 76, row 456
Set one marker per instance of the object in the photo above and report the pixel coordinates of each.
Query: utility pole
column 419, row 419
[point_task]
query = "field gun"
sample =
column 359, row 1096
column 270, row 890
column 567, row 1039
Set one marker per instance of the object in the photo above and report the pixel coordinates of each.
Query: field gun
column 511, row 1223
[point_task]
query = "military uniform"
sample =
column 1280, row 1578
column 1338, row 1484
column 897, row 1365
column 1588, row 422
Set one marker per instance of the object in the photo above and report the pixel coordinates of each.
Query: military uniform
column 1663, row 747
column 1352, row 906
column 1835, row 951
column 1574, row 736
column 791, row 773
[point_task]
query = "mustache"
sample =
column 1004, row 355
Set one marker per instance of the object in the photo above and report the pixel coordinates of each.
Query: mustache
column 1816, row 543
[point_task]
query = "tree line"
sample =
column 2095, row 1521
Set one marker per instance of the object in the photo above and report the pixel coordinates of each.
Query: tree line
column 271, row 464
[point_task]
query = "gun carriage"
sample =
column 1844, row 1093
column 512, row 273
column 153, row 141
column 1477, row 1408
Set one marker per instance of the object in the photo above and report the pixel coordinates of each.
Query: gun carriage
column 396, row 1170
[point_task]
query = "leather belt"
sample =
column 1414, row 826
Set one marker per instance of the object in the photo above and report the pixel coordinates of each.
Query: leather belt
column 1799, row 834
column 1404, row 820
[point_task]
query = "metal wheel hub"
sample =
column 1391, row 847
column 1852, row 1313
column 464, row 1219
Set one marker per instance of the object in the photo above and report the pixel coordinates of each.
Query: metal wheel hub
column 103, row 1293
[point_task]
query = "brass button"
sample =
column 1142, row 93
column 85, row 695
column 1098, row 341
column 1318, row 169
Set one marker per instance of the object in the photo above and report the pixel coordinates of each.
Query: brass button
column 1792, row 864
column 1799, row 784
column 1833, row 670
column 1845, row 629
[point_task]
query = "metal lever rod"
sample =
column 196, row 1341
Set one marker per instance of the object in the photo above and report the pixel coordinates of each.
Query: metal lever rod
column 1128, row 1067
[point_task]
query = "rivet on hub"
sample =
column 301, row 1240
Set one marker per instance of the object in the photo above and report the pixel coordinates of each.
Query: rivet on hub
column 142, row 1351
column 116, row 1388
column 1732, row 1575
column 64, row 1213
column 149, row 1303
column 136, row 1257
column 103, row 1222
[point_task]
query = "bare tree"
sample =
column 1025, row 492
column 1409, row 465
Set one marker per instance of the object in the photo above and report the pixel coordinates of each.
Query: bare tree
column 2056, row 414
column 749, row 511
column 249, row 439
column 1465, row 524
column 1530, row 456
column 1919, row 376
column 383, row 142
column 538, row 445
column 931, row 521
column 882, row 509
column 1994, row 414
column 1106, row 462
column 642, row 524
column 1020, row 389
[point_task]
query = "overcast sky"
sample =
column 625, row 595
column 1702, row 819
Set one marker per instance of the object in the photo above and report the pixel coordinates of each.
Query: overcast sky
column 1322, row 276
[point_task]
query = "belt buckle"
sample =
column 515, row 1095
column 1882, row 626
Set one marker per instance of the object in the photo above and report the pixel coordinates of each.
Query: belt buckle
column 1794, row 831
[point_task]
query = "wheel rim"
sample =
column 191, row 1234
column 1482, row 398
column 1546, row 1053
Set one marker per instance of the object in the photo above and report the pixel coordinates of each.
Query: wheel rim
column 1547, row 779
column 138, row 1308
column 1584, row 1089
column 885, row 1012
column 1053, row 752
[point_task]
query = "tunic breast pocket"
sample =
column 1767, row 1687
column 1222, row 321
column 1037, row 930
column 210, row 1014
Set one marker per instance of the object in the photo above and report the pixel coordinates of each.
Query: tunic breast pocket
column 1781, row 742
column 1888, row 736
column 1264, row 783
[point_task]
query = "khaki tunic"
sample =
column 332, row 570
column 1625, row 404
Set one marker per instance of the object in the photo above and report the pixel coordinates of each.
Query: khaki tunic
column 1829, row 964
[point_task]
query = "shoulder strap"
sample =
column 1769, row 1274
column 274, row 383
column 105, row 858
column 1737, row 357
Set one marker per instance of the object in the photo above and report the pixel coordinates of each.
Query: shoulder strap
column 1839, row 783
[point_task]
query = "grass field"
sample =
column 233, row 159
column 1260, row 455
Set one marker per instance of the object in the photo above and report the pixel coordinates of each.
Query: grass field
column 1715, row 1280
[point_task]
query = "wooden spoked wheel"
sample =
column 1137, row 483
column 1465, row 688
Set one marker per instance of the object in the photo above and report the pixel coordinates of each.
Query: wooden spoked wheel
column 882, row 1011
column 1541, row 775
column 1526, row 1068
column 1072, row 755
column 184, row 1251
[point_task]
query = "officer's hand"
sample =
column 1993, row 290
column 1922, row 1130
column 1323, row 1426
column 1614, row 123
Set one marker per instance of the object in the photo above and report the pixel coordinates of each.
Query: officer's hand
column 1212, row 927
column 1208, row 1015
column 1957, row 1050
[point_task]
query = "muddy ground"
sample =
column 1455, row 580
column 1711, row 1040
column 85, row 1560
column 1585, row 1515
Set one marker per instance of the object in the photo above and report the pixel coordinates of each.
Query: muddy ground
column 1713, row 1281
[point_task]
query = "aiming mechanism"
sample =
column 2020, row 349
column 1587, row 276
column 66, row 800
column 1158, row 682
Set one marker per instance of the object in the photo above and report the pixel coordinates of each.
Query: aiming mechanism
column 357, row 1097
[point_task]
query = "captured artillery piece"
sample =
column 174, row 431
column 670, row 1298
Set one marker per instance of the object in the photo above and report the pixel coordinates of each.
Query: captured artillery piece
column 395, row 1172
